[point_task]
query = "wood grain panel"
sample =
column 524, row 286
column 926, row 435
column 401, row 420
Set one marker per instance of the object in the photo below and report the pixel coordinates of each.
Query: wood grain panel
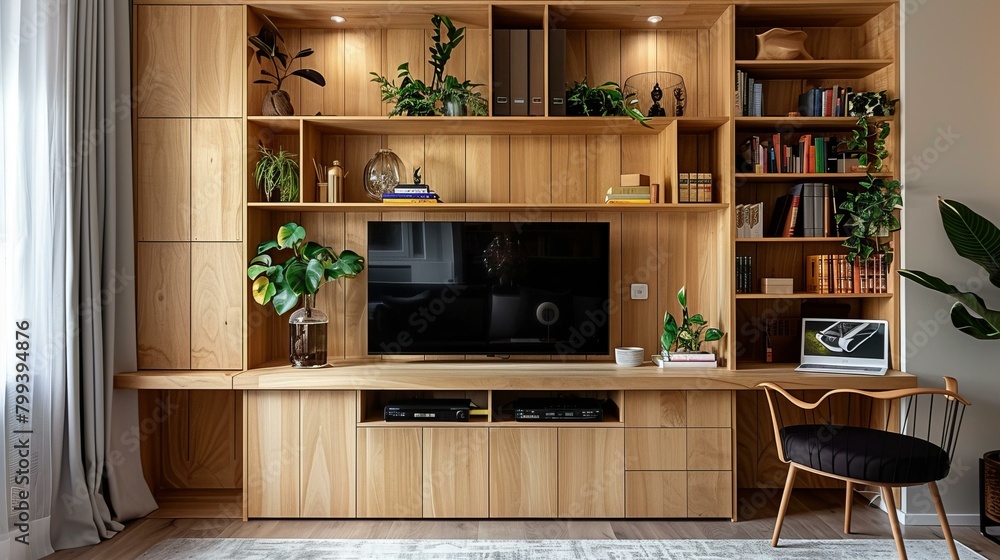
column 163, row 61
column 330, row 229
column 410, row 150
column 163, row 305
column 709, row 409
column 217, row 169
column 591, row 472
column 328, row 45
column 200, row 446
column 272, row 455
column 523, row 472
column 445, row 162
column 656, row 494
column 655, row 449
column 163, row 186
column 603, row 56
column 328, row 472
column 217, row 283
column 710, row 494
column 709, row 449
column 678, row 51
column 404, row 45
column 638, row 52
column 456, row 472
column 487, row 168
column 640, row 264
column 389, row 472
column 357, row 152
column 362, row 54
column 477, row 58
column 655, row 409
column 217, row 65
column 614, row 221
column 576, row 57
column 530, row 172
column 641, row 154
column 355, row 296
column 569, row 168
column 604, row 165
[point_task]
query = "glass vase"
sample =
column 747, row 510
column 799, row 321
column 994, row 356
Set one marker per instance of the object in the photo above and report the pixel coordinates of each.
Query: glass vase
column 307, row 335
column 382, row 173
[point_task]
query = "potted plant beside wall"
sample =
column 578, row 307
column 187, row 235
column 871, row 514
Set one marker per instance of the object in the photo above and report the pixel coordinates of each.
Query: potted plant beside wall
column 277, row 175
column 978, row 240
column 269, row 44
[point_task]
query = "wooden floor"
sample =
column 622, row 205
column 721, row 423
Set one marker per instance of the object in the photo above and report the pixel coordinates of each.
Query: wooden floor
column 812, row 514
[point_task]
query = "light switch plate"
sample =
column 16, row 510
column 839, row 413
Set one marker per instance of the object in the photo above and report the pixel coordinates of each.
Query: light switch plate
column 640, row 291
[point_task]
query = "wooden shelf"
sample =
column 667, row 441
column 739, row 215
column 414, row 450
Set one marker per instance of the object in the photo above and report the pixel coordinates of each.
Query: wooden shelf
column 807, row 295
column 482, row 207
column 371, row 15
column 796, row 124
column 486, row 125
column 606, row 423
column 781, row 177
column 845, row 13
column 803, row 69
column 176, row 379
column 791, row 239
column 478, row 421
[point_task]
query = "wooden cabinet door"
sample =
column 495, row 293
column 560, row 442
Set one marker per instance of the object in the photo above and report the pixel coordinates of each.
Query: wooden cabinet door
column 456, row 469
column 217, row 288
column 329, row 444
column 217, row 187
column 710, row 494
column 163, row 310
column 217, row 62
column 656, row 494
column 272, row 454
column 389, row 472
column 591, row 472
column 655, row 409
column 163, row 60
column 524, row 472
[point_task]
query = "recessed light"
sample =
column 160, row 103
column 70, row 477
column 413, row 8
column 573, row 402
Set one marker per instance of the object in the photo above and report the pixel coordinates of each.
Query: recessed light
column 338, row 19
column 654, row 19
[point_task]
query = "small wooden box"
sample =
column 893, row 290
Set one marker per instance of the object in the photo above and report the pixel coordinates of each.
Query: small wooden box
column 635, row 180
column 776, row 285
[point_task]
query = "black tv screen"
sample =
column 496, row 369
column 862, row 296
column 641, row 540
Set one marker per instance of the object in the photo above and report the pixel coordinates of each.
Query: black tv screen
column 488, row 288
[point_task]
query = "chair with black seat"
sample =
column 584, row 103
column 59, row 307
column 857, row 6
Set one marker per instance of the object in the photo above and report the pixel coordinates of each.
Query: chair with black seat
column 885, row 439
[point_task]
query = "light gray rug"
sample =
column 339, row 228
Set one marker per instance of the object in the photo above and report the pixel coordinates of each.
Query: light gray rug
column 260, row 549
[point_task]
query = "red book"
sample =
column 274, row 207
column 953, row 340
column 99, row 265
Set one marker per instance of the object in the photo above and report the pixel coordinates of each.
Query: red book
column 778, row 152
column 795, row 195
column 828, row 96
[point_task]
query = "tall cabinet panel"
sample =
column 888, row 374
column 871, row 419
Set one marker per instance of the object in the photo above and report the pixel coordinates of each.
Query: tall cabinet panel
column 328, row 470
column 272, row 454
column 163, row 61
column 217, row 63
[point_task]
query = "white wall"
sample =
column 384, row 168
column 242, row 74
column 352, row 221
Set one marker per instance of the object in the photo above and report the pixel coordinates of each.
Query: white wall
column 951, row 147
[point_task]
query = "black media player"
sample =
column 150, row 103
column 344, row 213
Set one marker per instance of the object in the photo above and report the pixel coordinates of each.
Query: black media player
column 428, row 410
column 558, row 410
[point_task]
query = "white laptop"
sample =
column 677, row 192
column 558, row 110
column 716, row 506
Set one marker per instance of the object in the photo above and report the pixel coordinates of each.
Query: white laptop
column 845, row 346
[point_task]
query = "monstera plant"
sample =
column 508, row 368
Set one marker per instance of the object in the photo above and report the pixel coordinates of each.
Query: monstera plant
column 977, row 239
column 690, row 334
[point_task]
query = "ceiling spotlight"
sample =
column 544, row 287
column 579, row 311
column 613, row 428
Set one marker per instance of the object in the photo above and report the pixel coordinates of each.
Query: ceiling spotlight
column 654, row 19
column 338, row 19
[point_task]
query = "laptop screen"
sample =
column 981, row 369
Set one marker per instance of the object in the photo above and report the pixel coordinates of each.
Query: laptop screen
column 843, row 341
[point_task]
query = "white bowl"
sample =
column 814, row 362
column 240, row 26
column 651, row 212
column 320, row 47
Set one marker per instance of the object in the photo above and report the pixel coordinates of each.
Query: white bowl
column 629, row 356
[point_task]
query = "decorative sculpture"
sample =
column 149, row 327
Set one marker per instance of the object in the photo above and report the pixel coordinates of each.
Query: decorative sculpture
column 782, row 44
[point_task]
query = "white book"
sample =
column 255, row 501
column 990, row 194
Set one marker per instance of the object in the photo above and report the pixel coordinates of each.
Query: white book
column 757, row 220
column 740, row 221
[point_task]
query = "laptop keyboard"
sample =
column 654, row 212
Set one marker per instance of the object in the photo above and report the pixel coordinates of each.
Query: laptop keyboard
column 843, row 368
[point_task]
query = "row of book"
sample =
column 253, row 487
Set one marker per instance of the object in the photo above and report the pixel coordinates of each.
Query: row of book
column 826, row 102
column 411, row 194
column 749, row 96
column 744, row 275
column 694, row 187
column 834, row 274
column 808, row 210
column 805, row 154
column 750, row 220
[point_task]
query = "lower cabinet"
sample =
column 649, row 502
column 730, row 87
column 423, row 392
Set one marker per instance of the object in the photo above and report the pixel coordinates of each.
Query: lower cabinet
column 591, row 472
column 389, row 472
column 523, row 472
column 456, row 471
column 272, row 453
column 656, row 494
column 327, row 470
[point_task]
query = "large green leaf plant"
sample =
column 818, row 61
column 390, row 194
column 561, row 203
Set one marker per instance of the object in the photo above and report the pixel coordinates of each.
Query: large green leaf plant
column 977, row 239
column 310, row 266
column 690, row 334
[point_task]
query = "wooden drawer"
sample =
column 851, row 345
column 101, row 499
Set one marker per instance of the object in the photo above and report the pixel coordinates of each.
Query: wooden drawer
column 591, row 472
column 655, row 449
column 456, row 472
column 656, row 494
column 710, row 494
column 655, row 409
column 389, row 472
column 523, row 472
column 709, row 409
column 709, row 449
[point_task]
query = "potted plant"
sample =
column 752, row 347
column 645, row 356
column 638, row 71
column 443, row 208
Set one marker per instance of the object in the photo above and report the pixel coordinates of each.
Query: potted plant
column 870, row 217
column 303, row 274
column 869, row 141
column 270, row 44
column 445, row 95
column 605, row 100
column 977, row 239
column 687, row 337
column 277, row 173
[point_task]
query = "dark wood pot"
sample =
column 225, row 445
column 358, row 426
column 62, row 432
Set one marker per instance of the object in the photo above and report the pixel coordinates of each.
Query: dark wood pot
column 277, row 104
column 991, row 485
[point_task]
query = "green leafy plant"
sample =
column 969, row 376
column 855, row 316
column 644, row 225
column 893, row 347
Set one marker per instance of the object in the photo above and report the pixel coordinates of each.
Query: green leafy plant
column 690, row 334
column 605, row 100
column 277, row 171
column 310, row 266
column 871, row 212
column 270, row 44
column 869, row 140
column 977, row 239
column 445, row 95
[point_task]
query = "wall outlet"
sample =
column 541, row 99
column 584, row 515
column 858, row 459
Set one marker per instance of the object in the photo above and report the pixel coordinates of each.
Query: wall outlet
column 640, row 291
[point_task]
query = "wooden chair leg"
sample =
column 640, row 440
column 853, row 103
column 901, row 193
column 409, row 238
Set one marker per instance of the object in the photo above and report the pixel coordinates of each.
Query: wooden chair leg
column 789, row 483
column 847, row 508
column 890, row 505
column 945, row 528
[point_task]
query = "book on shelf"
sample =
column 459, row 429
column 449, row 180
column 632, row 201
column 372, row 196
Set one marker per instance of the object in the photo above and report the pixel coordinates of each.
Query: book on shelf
column 749, row 221
column 630, row 194
column 411, row 194
column 744, row 274
column 804, row 154
column 808, row 210
column 694, row 187
column 825, row 102
column 834, row 274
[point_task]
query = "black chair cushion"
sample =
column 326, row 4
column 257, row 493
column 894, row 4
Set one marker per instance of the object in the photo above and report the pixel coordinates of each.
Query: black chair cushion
column 865, row 453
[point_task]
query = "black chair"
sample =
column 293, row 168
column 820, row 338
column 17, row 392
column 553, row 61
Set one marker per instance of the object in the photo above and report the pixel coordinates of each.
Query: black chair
column 887, row 439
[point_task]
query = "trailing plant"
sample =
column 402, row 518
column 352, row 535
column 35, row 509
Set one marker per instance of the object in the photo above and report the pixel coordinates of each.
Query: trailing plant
column 977, row 239
column 605, row 100
column 310, row 266
column 413, row 97
column 869, row 139
column 871, row 212
column 690, row 334
column 270, row 44
column 277, row 171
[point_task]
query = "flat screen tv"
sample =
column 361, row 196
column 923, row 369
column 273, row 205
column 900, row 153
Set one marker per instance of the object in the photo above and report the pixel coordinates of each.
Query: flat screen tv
column 488, row 288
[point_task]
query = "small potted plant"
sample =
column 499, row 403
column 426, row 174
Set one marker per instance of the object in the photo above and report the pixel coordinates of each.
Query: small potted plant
column 303, row 274
column 870, row 217
column 270, row 44
column 605, row 100
column 682, row 343
column 277, row 175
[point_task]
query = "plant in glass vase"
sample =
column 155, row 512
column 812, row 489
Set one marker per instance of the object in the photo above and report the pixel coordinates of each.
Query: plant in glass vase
column 689, row 335
column 281, row 284
column 270, row 44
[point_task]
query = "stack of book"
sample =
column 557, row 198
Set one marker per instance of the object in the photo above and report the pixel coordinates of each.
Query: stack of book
column 635, row 189
column 808, row 210
column 749, row 96
column 411, row 194
column 694, row 187
column 833, row 274
column 805, row 154
column 744, row 275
